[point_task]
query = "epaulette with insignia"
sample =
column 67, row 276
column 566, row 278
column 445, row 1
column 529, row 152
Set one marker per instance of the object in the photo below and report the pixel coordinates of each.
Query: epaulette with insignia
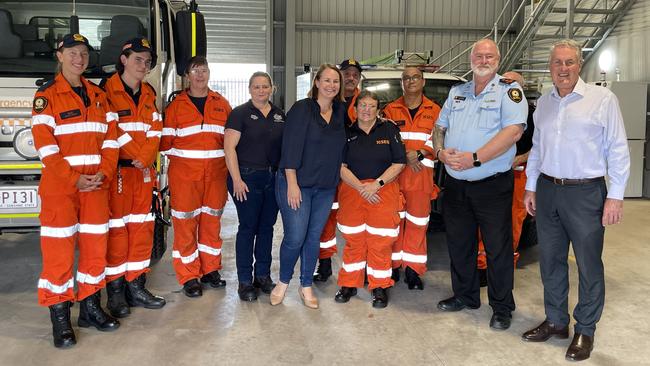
column 102, row 83
column 150, row 87
column 46, row 85
column 506, row 81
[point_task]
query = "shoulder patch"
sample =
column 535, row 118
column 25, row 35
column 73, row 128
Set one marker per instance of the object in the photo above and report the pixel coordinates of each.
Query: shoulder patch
column 506, row 81
column 515, row 95
column 39, row 105
column 48, row 84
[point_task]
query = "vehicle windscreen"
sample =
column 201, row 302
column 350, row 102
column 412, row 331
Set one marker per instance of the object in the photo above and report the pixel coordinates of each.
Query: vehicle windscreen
column 390, row 89
column 31, row 30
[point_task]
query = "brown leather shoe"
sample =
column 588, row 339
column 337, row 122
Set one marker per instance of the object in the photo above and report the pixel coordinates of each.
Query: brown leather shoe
column 580, row 348
column 545, row 331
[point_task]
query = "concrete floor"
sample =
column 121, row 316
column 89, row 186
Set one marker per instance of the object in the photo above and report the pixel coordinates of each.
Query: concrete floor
column 219, row 329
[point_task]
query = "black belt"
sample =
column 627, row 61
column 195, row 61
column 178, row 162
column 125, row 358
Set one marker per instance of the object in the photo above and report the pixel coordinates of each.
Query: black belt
column 570, row 182
column 125, row 163
column 492, row 177
column 267, row 169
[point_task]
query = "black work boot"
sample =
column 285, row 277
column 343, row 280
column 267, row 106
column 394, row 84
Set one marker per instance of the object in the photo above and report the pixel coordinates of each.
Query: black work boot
column 92, row 314
column 116, row 304
column 324, row 270
column 61, row 328
column 412, row 279
column 395, row 274
column 213, row 279
column 264, row 283
column 138, row 295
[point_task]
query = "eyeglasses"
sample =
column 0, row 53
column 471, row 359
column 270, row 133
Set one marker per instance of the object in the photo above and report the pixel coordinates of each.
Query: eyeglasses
column 199, row 71
column 363, row 106
column 146, row 62
column 413, row 78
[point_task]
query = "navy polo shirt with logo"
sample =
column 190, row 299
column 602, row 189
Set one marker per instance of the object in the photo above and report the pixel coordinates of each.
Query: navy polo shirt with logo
column 260, row 143
column 369, row 155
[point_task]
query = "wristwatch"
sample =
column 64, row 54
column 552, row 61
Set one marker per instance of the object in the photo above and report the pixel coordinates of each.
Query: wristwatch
column 477, row 163
column 381, row 182
column 438, row 153
column 420, row 155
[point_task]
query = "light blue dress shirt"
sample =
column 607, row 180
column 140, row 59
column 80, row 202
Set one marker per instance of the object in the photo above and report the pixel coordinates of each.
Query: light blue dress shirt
column 580, row 136
column 473, row 120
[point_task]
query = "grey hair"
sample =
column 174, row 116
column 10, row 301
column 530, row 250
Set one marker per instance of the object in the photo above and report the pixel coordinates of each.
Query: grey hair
column 568, row 43
column 485, row 40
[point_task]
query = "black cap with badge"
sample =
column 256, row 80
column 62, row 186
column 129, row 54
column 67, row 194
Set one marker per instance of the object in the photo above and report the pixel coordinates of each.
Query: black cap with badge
column 350, row 63
column 140, row 45
column 71, row 40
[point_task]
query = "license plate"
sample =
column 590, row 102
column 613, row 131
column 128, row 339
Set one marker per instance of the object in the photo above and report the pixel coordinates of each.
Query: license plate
column 18, row 198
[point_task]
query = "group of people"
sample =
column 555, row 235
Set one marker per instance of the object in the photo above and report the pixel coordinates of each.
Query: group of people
column 330, row 162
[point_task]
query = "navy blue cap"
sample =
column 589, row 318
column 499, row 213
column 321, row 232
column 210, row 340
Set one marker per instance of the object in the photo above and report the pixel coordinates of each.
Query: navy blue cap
column 138, row 45
column 71, row 40
column 350, row 63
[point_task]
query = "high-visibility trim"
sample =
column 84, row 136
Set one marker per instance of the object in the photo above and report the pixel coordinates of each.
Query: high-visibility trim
column 393, row 233
column 156, row 116
column 335, row 205
column 402, row 214
column 166, row 131
column 112, row 116
column 353, row 267
column 91, row 280
column 195, row 154
column 43, row 119
column 429, row 143
column 209, row 250
column 78, row 160
column 138, row 218
column 414, row 258
column 396, row 256
column 124, row 139
column 351, row 229
column 48, row 150
column 93, row 228
column 183, row 215
column 420, row 221
column 193, row 130
column 328, row 244
column 110, row 144
column 59, row 232
column 134, row 126
column 428, row 163
column 19, row 216
column 80, row 128
column 128, row 266
column 47, row 285
column 114, row 223
column 212, row 211
column 151, row 134
column 112, row 271
column 189, row 259
column 416, row 136
column 379, row 273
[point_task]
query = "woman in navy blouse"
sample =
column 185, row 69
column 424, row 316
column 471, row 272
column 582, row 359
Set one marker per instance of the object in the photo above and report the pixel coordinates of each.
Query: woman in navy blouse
column 312, row 152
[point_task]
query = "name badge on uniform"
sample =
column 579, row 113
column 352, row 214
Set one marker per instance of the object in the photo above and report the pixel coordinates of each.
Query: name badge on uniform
column 254, row 117
column 70, row 114
column 146, row 175
column 459, row 97
column 278, row 118
column 352, row 138
column 383, row 142
column 124, row 112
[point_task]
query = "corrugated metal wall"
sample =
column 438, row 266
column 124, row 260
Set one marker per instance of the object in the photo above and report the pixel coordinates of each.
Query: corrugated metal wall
column 630, row 44
column 236, row 30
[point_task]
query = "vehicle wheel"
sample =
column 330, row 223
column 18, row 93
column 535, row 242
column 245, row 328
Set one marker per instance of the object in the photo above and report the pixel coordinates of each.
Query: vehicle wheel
column 528, row 236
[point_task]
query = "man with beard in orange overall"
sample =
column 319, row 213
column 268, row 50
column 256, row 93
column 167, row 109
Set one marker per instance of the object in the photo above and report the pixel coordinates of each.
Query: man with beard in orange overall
column 351, row 71
column 193, row 139
column 415, row 115
column 75, row 136
column 130, row 235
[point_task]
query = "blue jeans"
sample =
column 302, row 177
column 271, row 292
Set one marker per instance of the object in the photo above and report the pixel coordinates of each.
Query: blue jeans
column 302, row 229
column 257, row 215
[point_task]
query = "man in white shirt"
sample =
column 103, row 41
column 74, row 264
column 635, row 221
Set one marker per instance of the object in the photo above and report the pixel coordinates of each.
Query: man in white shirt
column 579, row 138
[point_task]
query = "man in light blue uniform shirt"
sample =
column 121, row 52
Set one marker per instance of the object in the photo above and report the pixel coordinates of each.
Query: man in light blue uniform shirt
column 579, row 138
column 475, row 138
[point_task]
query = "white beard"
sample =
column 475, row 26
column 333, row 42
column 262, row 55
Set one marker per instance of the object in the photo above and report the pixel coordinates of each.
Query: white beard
column 483, row 71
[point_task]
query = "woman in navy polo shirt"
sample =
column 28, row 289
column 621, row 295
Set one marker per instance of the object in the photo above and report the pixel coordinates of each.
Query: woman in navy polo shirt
column 312, row 152
column 252, row 145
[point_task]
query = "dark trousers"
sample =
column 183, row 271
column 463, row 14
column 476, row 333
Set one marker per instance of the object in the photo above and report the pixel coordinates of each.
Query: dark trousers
column 302, row 229
column 572, row 214
column 257, row 215
column 485, row 205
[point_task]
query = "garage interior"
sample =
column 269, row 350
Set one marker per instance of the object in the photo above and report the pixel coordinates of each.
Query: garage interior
column 287, row 35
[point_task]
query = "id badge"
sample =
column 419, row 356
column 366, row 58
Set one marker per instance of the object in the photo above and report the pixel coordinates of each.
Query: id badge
column 146, row 175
